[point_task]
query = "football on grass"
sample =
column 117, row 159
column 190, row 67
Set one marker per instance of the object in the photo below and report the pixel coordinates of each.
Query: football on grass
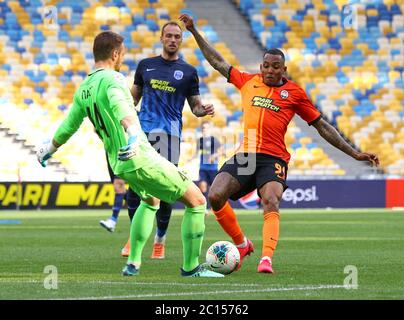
column 223, row 257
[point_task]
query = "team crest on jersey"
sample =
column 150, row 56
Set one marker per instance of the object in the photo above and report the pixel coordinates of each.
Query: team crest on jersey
column 178, row 74
column 284, row 94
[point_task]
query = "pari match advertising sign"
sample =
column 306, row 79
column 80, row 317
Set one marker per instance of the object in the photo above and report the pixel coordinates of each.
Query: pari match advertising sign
column 300, row 194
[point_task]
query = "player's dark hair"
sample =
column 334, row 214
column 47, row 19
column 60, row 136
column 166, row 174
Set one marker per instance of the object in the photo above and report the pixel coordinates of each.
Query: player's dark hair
column 105, row 43
column 170, row 23
column 275, row 52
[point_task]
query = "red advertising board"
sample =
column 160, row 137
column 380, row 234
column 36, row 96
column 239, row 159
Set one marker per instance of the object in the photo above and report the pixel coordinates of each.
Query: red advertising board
column 394, row 193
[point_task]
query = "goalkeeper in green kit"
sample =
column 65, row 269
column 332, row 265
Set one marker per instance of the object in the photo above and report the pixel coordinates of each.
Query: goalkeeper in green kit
column 105, row 99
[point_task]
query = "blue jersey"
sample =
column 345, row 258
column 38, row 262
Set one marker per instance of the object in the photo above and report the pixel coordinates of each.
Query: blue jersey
column 166, row 85
column 207, row 146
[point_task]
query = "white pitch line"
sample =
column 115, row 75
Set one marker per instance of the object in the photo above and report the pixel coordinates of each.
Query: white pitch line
column 132, row 283
column 177, row 294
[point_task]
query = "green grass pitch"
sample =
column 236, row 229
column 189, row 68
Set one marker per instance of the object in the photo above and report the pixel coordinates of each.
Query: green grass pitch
column 319, row 253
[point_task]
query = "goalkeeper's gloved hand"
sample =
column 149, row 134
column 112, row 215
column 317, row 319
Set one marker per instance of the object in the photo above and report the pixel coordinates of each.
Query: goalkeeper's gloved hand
column 45, row 152
column 131, row 149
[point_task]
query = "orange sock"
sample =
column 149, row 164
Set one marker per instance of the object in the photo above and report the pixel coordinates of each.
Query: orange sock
column 228, row 220
column 270, row 233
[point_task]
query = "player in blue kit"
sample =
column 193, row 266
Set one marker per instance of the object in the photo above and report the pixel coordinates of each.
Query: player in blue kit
column 209, row 149
column 164, row 83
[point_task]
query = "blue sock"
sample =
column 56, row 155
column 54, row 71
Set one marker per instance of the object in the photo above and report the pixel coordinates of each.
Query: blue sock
column 161, row 233
column 133, row 201
column 163, row 218
column 117, row 205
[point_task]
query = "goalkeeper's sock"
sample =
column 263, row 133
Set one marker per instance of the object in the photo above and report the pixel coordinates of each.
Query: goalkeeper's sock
column 192, row 230
column 270, row 233
column 140, row 231
column 228, row 220
column 117, row 206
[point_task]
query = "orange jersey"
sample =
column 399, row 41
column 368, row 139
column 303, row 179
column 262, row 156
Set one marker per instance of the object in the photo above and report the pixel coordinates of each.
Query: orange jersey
column 267, row 112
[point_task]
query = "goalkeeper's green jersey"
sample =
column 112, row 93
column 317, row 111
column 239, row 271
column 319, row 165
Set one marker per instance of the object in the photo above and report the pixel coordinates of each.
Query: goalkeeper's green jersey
column 105, row 99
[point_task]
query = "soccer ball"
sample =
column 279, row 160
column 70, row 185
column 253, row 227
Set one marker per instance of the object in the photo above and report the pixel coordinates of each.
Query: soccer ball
column 223, row 257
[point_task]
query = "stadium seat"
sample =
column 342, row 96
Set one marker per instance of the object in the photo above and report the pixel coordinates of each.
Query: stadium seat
column 367, row 64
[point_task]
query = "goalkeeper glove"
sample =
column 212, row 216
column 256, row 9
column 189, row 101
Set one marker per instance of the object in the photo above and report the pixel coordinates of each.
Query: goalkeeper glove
column 45, row 152
column 131, row 149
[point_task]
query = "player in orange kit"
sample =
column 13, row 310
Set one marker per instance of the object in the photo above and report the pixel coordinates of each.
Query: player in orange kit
column 269, row 102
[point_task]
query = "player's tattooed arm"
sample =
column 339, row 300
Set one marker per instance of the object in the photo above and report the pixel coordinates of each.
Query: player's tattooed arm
column 330, row 134
column 213, row 57
column 136, row 92
column 199, row 109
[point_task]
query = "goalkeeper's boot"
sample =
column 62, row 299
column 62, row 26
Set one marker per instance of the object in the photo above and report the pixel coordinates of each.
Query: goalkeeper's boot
column 158, row 251
column 130, row 270
column 265, row 265
column 202, row 272
column 245, row 251
column 125, row 250
column 108, row 224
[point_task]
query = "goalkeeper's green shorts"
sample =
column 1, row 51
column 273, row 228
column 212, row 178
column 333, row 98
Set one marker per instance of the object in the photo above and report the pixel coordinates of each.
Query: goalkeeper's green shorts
column 158, row 178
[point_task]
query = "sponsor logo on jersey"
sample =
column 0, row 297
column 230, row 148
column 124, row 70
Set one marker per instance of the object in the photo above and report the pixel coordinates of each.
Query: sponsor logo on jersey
column 178, row 74
column 263, row 102
column 150, row 69
column 162, row 85
column 284, row 94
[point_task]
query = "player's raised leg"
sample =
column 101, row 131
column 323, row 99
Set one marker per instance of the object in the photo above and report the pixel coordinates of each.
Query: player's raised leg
column 222, row 188
column 162, row 178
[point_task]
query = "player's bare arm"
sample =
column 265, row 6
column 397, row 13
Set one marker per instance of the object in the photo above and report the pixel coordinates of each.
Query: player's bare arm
column 136, row 92
column 199, row 109
column 330, row 134
column 213, row 57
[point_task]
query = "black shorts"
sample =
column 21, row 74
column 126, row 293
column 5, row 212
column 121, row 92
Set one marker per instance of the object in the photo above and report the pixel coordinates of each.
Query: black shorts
column 252, row 171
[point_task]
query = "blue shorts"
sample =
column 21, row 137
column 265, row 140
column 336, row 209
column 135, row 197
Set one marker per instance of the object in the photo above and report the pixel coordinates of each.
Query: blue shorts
column 166, row 145
column 207, row 175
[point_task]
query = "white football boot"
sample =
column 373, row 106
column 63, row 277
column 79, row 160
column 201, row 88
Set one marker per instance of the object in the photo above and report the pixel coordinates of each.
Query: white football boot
column 108, row 224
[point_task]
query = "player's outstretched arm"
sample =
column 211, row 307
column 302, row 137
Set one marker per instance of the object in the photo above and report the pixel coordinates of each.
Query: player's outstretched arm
column 46, row 150
column 67, row 128
column 213, row 57
column 330, row 134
